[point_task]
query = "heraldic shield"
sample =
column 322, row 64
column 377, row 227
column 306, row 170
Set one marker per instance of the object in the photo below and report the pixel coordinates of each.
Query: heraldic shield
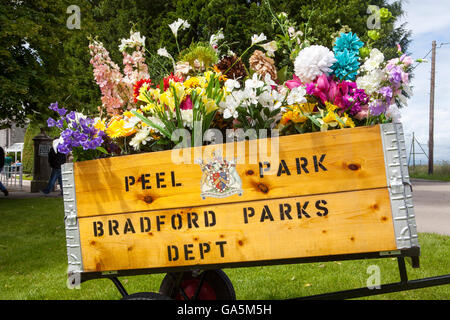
column 220, row 178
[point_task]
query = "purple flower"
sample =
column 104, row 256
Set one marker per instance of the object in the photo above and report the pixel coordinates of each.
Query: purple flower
column 63, row 148
column 70, row 116
column 66, row 134
column 377, row 107
column 395, row 76
column 60, row 123
column 54, row 106
column 386, row 92
column 51, row 122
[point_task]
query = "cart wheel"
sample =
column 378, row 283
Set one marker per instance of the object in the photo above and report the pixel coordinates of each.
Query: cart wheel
column 146, row 296
column 209, row 285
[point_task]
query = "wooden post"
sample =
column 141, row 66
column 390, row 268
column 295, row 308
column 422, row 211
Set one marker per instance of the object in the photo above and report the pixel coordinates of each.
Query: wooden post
column 431, row 125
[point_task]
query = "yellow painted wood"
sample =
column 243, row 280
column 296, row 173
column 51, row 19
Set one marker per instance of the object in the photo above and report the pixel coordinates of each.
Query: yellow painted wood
column 353, row 161
column 353, row 222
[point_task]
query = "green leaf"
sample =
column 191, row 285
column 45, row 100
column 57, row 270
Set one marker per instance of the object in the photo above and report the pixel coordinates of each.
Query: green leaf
column 282, row 74
column 152, row 124
column 101, row 149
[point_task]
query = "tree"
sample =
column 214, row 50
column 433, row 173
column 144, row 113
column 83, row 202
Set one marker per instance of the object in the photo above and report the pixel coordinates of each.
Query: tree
column 41, row 60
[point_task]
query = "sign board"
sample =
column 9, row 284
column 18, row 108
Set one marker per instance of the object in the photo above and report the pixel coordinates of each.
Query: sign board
column 44, row 149
column 330, row 193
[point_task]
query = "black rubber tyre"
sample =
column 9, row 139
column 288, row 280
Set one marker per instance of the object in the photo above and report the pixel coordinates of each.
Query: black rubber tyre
column 146, row 296
column 215, row 286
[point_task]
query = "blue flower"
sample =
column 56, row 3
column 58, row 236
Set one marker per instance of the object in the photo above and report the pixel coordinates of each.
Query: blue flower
column 54, row 106
column 51, row 122
column 349, row 41
column 346, row 66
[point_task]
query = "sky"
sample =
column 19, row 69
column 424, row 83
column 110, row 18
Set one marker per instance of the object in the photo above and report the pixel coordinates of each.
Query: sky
column 428, row 20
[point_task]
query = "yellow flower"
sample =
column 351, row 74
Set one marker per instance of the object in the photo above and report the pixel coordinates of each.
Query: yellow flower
column 149, row 107
column 330, row 118
column 210, row 105
column 116, row 128
column 330, row 107
column 307, row 107
column 128, row 114
column 192, row 82
column 294, row 116
column 144, row 93
column 167, row 99
column 100, row 125
column 208, row 75
column 348, row 122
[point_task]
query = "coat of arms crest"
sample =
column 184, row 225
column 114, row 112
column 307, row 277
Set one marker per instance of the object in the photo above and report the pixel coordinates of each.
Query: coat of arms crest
column 220, row 178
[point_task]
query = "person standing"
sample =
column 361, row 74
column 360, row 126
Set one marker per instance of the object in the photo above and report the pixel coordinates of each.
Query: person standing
column 55, row 159
column 2, row 163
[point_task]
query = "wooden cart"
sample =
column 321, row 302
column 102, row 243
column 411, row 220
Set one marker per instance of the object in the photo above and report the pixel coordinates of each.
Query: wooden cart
column 326, row 196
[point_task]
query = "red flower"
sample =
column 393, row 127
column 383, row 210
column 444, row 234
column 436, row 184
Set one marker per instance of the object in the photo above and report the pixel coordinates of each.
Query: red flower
column 137, row 86
column 168, row 78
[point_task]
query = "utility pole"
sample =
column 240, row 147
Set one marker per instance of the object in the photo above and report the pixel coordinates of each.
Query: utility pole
column 431, row 125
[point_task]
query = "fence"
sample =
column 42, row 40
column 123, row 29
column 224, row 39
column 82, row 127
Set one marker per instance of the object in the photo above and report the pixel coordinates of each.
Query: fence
column 12, row 176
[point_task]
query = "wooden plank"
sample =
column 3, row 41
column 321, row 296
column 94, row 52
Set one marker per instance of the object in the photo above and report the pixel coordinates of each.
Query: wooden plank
column 334, row 161
column 328, row 224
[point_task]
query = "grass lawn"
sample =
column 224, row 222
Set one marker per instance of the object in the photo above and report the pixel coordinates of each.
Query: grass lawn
column 441, row 172
column 33, row 265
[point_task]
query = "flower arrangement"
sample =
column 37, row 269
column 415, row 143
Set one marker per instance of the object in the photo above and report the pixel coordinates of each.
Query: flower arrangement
column 349, row 85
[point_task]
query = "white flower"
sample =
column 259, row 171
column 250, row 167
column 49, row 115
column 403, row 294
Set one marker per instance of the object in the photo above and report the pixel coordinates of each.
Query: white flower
column 135, row 40
column 270, row 47
column 215, row 38
column 188, row 118
column 296, row 95
column 231, row 84
column 313, row 61
column 254, row 82
column 268, row 80
column 177, row 24
column 141, row 138
column 374, row 61
column 130, row 123
column 229, row 106
column 370, row 82
column 182, row 67
column 164, row 53
column 257, row 39
column 265, row 98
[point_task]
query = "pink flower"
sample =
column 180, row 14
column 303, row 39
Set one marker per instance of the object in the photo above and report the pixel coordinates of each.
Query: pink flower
column 405, row 77
column 117, row 87
column 186, row 104
column 294, row 83
column 406, row 60
column 363, row 113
